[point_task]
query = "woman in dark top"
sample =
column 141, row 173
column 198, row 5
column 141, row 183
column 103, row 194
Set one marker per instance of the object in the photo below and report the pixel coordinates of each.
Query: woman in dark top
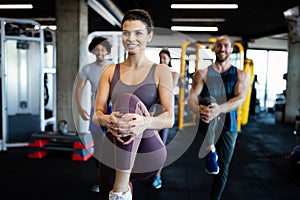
column 132, row 147
column 164, row 58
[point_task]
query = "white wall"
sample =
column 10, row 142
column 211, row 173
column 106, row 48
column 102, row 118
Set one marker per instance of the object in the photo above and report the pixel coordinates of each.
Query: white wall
column 176, row 39
column 272, row 42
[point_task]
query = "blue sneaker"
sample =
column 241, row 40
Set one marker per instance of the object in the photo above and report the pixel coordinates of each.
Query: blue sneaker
column 157, row 182
column 95, row 188
column 211, row 165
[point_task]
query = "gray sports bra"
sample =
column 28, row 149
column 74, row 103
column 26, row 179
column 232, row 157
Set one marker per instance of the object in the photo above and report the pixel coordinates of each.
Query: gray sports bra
column 146, row 90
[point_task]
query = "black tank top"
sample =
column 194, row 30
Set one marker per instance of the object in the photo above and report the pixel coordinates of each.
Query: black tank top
column 146, row 90
column 221, row 86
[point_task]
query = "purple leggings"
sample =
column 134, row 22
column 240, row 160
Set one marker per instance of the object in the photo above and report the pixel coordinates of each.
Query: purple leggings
column 144, row 155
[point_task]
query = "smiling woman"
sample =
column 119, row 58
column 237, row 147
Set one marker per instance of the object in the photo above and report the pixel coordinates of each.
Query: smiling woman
column 134, row 87
column 135, row 36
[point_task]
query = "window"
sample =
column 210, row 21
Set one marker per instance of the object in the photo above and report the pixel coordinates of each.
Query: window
column 269, row 66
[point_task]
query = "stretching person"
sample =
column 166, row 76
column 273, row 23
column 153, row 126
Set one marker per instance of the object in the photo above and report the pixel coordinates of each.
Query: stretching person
column 164, row 58
column 229, row 86
column 132, row 147
column 209, row 131
column 100, row 47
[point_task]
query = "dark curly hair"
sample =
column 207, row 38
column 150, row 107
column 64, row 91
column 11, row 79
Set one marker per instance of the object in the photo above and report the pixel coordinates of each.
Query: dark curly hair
column 100, row 40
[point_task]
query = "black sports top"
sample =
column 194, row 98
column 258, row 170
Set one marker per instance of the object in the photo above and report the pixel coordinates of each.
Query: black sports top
column 221, row 86
column 146, row 91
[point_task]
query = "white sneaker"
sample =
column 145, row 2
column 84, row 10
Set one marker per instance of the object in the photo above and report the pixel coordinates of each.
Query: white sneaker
column 121, row 195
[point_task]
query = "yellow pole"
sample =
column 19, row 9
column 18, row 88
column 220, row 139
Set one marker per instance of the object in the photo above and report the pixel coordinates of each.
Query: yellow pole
column 249, row 68
column 181, row 85
column 241, row 52
column 181, row 100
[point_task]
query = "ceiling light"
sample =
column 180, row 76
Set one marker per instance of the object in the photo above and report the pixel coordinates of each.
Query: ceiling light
column 198, row 20
column 193, row 28
column 44, row 19
column 52, row 27
column 204, row 6
column 101, row 10
column 16, row 6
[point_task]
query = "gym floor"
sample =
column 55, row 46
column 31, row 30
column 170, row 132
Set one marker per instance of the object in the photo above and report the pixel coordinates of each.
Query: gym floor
column 258, row 170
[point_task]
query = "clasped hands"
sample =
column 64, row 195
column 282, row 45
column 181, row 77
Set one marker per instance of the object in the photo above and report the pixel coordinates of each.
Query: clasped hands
column 207, row 113
column 128, row 124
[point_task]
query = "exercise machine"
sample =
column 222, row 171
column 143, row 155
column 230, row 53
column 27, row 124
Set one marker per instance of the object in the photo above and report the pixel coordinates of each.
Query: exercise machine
column 23, row 73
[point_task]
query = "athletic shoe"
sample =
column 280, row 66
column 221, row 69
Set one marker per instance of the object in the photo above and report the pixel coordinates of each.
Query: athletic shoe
column 121, row 195
column 95, row 188
column 157, row 182
column 212, row 166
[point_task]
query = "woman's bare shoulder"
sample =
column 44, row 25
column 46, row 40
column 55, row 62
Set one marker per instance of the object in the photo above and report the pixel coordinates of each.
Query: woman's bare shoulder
column 109, row 68
column 163, row 68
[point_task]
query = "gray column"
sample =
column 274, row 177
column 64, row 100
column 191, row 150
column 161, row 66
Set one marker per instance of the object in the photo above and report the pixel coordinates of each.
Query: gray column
column 293, row 83
column 71, row 34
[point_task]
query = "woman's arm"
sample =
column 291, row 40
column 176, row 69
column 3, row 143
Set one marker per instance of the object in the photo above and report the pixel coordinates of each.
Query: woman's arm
column 175, row 76
column 79, row 88
column 166, row 98
column 100, row 117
